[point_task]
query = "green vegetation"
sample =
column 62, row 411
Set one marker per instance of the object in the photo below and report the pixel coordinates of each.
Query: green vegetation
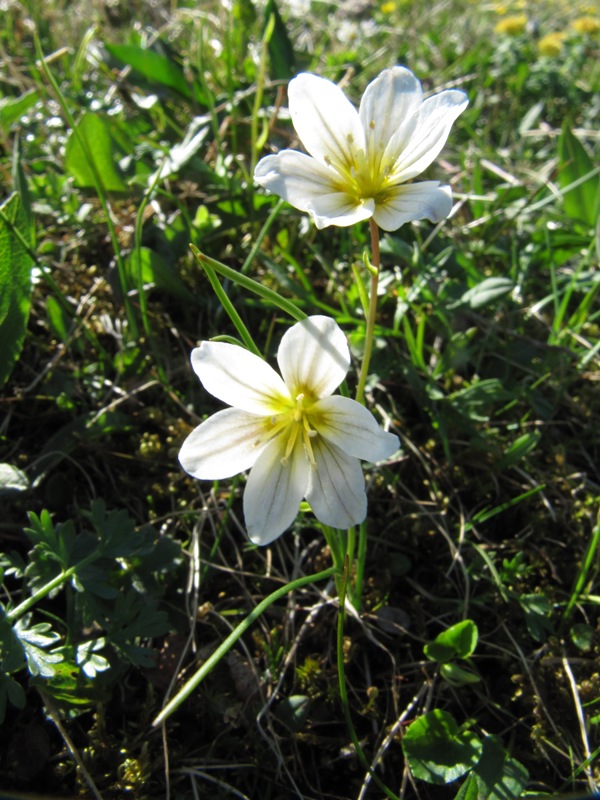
column 129, row 131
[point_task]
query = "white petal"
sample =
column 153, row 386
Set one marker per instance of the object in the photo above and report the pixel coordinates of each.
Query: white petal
column 339, row 209
column 274, row 492
column 311, row 187
column 223, row 445
column 388, row 110
column 425, row 200
column 313, row 356
column 337, row 487
column 353, row 428
column 296, row 177
column 325, row 120
column 239, row 378
column 432, row 126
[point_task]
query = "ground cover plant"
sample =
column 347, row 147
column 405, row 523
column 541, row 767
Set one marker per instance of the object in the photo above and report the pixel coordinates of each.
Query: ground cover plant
column 148, row 647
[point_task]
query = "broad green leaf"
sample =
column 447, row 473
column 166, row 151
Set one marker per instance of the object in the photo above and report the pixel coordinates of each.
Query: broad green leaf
column 147, row 265
column 469, row 790
column 458, row 641
column 486, row 292
column 582, row 201
column 91, row 148
column 153, row 66
column 437, row 750
column 499, row 776
column 281, row 52
column 15, row 282
column 13, row 108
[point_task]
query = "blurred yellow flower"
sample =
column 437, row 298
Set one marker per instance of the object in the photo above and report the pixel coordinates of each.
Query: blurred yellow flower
column 551, row 44
column 512, row 25
column 388, row 8
column 586, row 24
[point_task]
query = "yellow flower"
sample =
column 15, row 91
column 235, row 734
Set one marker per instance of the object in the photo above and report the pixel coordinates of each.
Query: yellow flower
column 551, row 44
column 388, row 8
column 512, row 25
column 587, row 24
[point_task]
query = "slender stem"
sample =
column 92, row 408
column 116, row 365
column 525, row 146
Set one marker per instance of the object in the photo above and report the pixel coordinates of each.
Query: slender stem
column 247, row 283
column 375, row 262
column 361, row 559
column 228, row 643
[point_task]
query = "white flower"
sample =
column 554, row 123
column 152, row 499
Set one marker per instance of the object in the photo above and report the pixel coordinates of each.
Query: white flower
column 360, row 161
column 298, row 440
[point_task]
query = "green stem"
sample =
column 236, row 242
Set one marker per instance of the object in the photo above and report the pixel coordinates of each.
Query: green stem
column 228, row 643
column 344, row 691
column 230, row 310
column 64, row 576
column 584, row 570
column 361, row 560
column 374, row 269
column 260, row 85
column 247, row 283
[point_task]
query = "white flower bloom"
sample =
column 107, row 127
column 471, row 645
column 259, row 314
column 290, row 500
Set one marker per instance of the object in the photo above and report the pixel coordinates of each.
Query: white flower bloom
column 298, row 440
column 360, row 162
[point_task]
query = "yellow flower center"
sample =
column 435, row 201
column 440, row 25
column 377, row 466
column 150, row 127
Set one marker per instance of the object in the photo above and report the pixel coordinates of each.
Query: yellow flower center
column 363, row 175
column 295, row 424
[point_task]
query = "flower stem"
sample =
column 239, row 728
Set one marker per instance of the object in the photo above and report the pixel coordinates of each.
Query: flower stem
column 374, row 269
column 228, row 643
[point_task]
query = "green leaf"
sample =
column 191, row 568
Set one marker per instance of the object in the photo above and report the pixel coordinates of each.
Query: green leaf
column 486, row 292
column 281, row 52
column 437, row 750
column 58, row 319
column 22, row 189
column 152, row 269
column 458, row 676
column 458, row 641
column 155, row 67
column 293, row 712
column 499, row 776
column 92, row 141
column 12, row 652
column 522, row 446
column 15, row 283
column 88, row 659
column 582, row 201
column 582, row 636
column 12, row 109
column 469, row 790
column 35, row 640
column 537, row 615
